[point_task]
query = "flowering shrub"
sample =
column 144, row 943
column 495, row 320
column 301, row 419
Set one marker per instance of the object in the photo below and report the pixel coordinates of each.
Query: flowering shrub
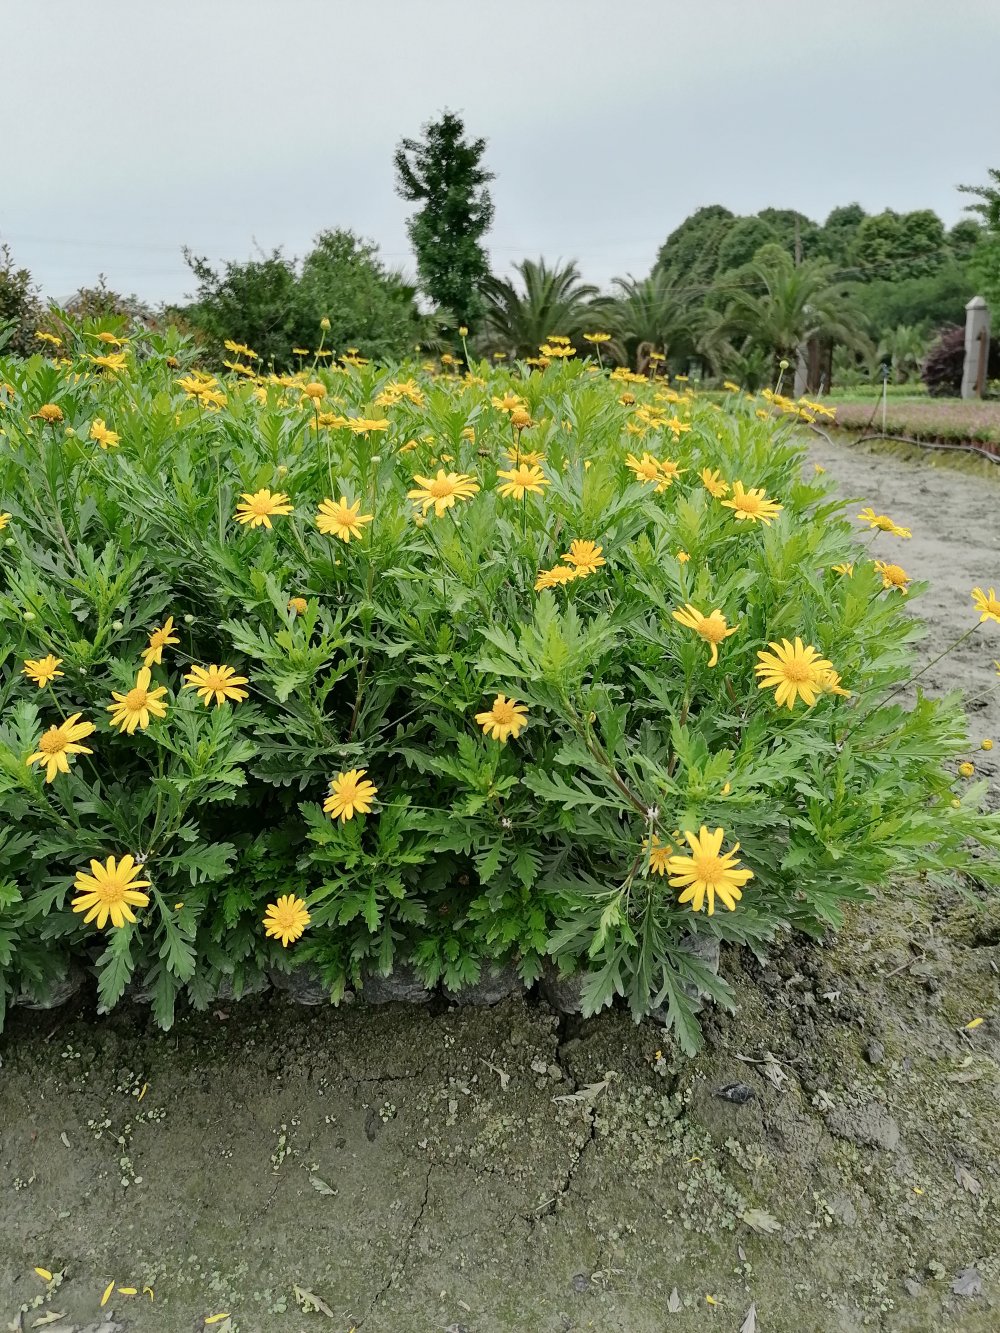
column 368, row 664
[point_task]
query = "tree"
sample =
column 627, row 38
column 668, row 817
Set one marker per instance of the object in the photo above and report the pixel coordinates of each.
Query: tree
column 792, row 304
column 963, row 239
column 903, row 349
column 20, row 308
column 926, row 302
column 836, row 238
column 656, row 311
column 443, row 173
column 793, row 230
column 742, row 240
column 271, row 306
column 985, row 263
column 691, row 251
column 551, row 300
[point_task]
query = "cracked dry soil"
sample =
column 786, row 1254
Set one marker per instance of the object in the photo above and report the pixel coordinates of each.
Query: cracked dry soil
column 493, row 1171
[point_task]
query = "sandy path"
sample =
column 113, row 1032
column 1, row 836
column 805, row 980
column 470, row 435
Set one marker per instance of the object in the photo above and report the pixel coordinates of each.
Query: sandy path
column 955, row 520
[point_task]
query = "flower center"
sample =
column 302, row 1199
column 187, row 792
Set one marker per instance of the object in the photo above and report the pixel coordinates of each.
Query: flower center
column 136, row 700
column 112, row 891
column 440, row 487
column 713, row 629
column 348, row 791
column 260, row 506
column 503, row 712
column 53, row 742
column 797, row 671
column 749, row 504
column 708, row 868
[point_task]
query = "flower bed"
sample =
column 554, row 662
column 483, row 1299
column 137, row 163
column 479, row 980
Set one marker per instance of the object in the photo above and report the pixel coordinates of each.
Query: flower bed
column 376, row 665
column 946, row 421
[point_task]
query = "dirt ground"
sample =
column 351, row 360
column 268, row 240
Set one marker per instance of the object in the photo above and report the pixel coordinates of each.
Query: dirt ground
column 451, row 1170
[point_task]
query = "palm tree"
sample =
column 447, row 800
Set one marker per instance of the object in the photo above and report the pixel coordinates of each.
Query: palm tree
column 550, row 300
column 786, row 305
column 903, row 348
column 654, row 310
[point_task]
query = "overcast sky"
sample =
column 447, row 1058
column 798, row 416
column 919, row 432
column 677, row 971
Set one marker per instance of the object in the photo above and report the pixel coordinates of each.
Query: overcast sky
column 129, row 129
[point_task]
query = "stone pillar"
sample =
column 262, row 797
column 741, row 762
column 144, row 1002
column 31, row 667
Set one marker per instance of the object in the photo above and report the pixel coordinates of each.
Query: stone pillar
column 977, row 348
column 801, row 371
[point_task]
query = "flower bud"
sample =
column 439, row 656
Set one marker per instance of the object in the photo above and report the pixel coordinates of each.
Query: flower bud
column 118, row 624
column 29, row 615
column 189, row 620
column 325, row 324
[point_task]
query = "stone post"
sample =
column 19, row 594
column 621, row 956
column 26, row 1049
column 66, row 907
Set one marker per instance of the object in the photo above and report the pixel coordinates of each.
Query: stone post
column 977, row 348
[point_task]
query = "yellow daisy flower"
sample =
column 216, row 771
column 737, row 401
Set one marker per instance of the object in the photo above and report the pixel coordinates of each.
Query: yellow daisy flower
column 752, row 505
column 139, row 705
column 341, row 519
column 286, row 919
column 442, row 491
column 107, row 439
column 987, row 603
column 893, row 576
column 218, row 682
column 708, row 872
column 554, row 578
column 659, row 854
column 56, row 744
column 110, row 890
column 791, row 670
column 712, row 628
column 349, row 795
column 882, row 522
column 585, row 556
column 505, row 718
column 713, row 483
column 42, row 670
column 161, row 638
column 522, row 480
column 259, row 508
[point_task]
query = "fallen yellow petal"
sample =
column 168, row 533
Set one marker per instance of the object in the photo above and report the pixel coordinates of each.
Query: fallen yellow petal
column 128, row 1291
column 44, row 1273
column 973, row 1024
column 917, row 1189
column 107, row 1293
column 150, row 1290
column 143, row 1092
column 711, row 1300
column 216, row 1318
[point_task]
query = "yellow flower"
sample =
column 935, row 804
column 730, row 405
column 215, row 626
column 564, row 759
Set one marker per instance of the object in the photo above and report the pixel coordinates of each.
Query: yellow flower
column 559, row 339
column 966, row 769
column 520, row 418
column 342, row 519
column 286, row 919
column 659, row 854
column 647, row 469
column 49, row 412
column 240, row 349
column 708, row 871
column 44, row 337
column 463, row 331
column 521, row 481
column 442, row 491
column 508, row 402
column 818, row 468
column 893, row 576
column 499, row 356
column 552, row 578
column 752, row 505
column 883, row 522
column 349, row 796
column 669, row 470
column 847, row 569
column 222, row 682
column 791, row 670
column 140, row 704
column 597, row 337
column 713, row 483
column 987, row 744
column 728, row 384
column 55, row 744
column 113, row 361
column 585, row 556
column 505, row 718
column 987, row 603
column 365, row 425
column 107, row 439
column 682, row 557
column 712, row 628
column 258, row 509
column 299, row 605
column 159, row 639
column 301, row 351
column 557, row 351
column 314, row 391
column 44, row 1273
column 110, row 890
column 533, row 457
column 42, row 669
column 829, row 683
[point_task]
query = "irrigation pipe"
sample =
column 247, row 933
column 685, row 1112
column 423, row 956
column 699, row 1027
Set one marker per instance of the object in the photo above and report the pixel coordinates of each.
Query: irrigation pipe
column 921, row 444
